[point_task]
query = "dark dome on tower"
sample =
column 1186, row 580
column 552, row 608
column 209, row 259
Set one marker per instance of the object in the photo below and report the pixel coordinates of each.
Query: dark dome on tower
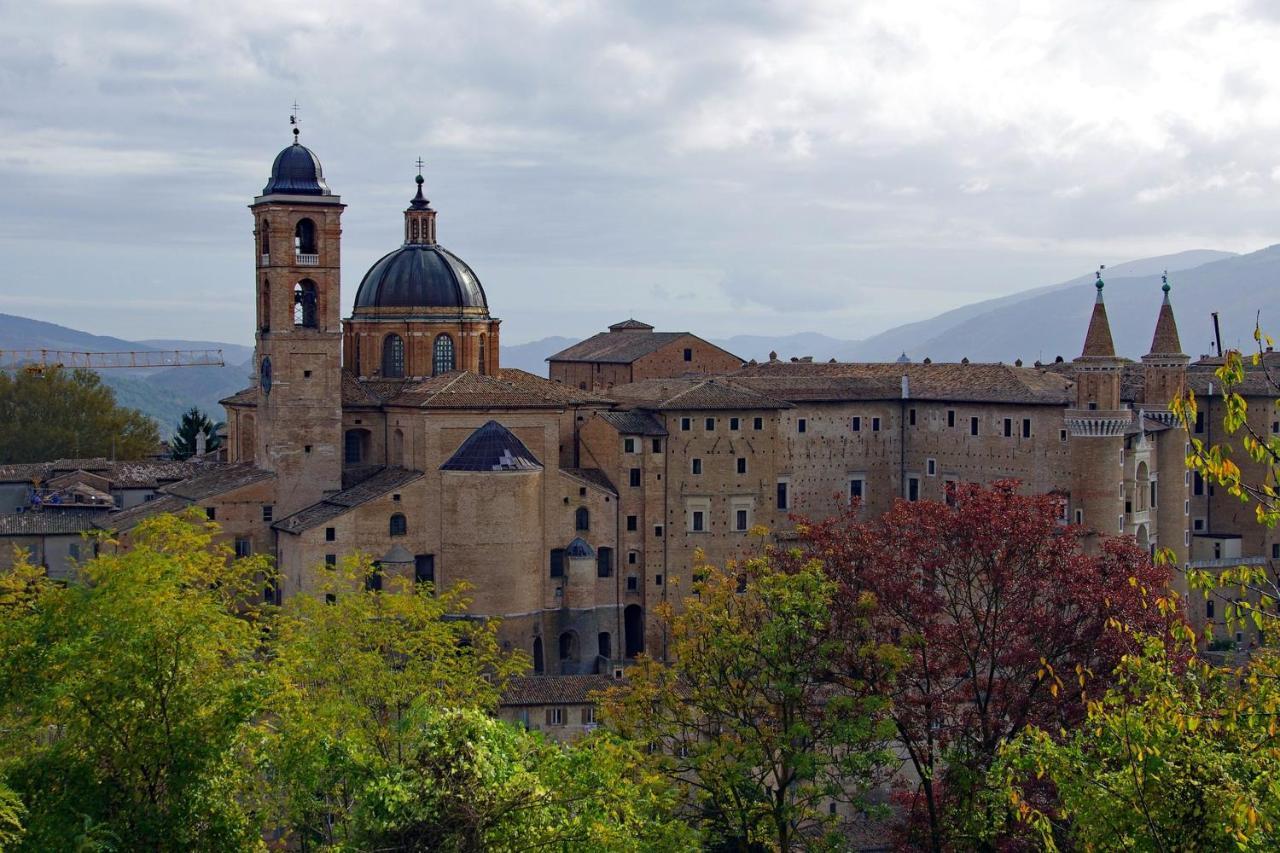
column 419, row 275
column 296, row 171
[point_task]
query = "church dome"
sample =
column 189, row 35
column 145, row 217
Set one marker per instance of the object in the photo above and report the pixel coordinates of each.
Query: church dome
column 421, row 275
column 296, row 171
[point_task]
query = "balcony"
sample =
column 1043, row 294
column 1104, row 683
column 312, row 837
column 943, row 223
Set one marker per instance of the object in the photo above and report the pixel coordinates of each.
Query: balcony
column 307, row 260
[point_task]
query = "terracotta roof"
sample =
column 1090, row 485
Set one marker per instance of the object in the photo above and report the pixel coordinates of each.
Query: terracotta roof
column 245, row 397
column 384, row 481
column 555, row 689
column 127, row 518
column 466, row 390
column 844, row 381
column 1165, row 341
column 1097, row 341
column 700, row 393
column 217, row 480
column 25, row 472
column 622, row 345
column 634, row 423
column 631, row 324
column 591, row 476
column 527, row 381
column 49, row 522
column 130, row 474
column 1256, row 384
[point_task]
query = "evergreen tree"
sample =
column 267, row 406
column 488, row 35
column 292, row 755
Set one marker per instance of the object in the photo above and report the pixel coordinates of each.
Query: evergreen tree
column 55, row 413
column 185, row 441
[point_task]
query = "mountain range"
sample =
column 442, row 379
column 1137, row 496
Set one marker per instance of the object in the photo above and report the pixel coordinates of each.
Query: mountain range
column 1036, row 324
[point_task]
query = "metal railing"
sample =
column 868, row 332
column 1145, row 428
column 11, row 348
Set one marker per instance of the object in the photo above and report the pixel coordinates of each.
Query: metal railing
column 307, row 260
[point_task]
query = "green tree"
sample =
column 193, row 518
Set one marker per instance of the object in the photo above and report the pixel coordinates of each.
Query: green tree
column 58, row 414
column 750, row 719
column 125, row 697
column 11, row 814
column 185, row 442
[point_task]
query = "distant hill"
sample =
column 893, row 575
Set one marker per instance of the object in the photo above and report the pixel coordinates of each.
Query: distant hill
column 533, row 355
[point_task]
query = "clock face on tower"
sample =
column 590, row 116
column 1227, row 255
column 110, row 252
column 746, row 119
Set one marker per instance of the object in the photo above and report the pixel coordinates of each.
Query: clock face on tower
column 264, row 375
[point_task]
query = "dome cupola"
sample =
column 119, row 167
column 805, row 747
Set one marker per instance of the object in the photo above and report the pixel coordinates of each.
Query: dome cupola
column 296, row 171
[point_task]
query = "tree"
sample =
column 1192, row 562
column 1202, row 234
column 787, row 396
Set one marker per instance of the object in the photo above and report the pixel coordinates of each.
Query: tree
column 11, row 814
column 58, row 414
column 1001, row 613
column 185, row 442
column 125, row 697
column 748, row 719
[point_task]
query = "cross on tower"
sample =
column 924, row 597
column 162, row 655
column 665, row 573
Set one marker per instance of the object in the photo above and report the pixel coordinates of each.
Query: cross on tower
column 293, row 120
column 419, row 163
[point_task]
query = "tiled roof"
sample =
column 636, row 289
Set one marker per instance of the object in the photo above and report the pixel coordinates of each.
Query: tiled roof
column 384, row 481
column 1256, row 384
column 696, row 394
column 631, row 324
column 492, row 447
column 558, row 391
column 624, row 345
column 1097, row 341
column 25, row 472
column 246, row 397
column 555, row 689
column 130, row 474
column 216, row 480
column 466, row 390
column 592, row 477
column 1165, row 341
column 48, row 522
column 127, row 518
column 841, row 381
column 634, row 423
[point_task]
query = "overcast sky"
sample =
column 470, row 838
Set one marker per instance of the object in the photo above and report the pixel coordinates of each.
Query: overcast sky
column 724, row 167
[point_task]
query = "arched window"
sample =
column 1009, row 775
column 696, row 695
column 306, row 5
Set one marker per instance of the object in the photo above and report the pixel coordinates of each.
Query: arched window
column 393, row 357
column 442, row 362
column 481, row 367
column 304, row 304
column 568, row 646
column 399, row 526
column 538, row 665
column 304, row 238
column 633, row 623
column 264, row 300
column 396, row 456
column 582, row 519
column 264, row 238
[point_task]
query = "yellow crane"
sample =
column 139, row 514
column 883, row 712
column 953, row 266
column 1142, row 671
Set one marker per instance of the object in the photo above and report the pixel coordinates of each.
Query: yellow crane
column 39, row 360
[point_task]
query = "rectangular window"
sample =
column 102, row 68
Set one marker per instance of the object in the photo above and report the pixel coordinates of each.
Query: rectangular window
column 657, row 580
column 632, row 521
column 951, row 417
column 330, row 534
column 931, row 467
column 243, row 547
column 1198, row 525
column 211, row 513
column 1199, row 422
column 1152, row 502
column 424, row 568
column 555, row 716
column 634, row 478
column 330, row 561
column 1062, row 436
column 1008, row 427
column 657, row 531
column 657, row 445
column 740, row 519
column 633, row 557
column 1275, row 551
column 589, row 715
column 697, row 522
column 875, row 424
column 604, row 562
column 1079, row 516
column 628, row 445
column 1026, row 427
column 685, row 424
column 557, row 562
column 633, row 583
column 688, row 354
column 742, row 465
column 801, row 425
column 268, row 511
column 1197, row 483
column 857, row 488
column 330, row 598
column 911, row 417
column 949, row 485
column 856, row 424
column 973, row 426
column 782, row 494
column 735, row 424
column 710, row 424
column 757, row 424
column 1208, row 608
column 696, row 466
column 913, row 488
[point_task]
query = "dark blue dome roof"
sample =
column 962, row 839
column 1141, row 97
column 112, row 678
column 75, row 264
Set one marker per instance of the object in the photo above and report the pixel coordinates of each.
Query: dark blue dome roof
column 296, row 171
column 420, row 275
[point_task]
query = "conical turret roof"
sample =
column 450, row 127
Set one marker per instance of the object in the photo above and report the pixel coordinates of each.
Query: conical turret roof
column 1097, row 341
column 1166, row 341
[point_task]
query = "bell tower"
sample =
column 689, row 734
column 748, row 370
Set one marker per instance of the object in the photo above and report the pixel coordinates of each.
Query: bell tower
column 297, row 230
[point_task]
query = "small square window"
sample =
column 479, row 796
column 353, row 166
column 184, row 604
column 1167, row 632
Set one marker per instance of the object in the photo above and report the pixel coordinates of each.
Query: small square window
column 742, row 465
column 710, row 424
column 685, row 424
column 330, row 598
column 330, row 560
column 395, row 498
column 735, row 424
column 688, row 354
column 306, row 374
column 633, row 557
column 802, row 425
column 757, row 424
column 306, row 448
column 633, row 583
column 657, row 531
column 268, row 512
column 211, row 513
column 657, row 580
column 632, row 521
column 628, row 445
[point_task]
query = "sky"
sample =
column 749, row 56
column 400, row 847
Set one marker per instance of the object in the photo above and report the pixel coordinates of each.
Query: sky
column 723, row 166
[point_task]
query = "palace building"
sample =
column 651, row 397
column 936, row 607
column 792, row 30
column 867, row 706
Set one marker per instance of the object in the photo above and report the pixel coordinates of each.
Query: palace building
column 573, row 505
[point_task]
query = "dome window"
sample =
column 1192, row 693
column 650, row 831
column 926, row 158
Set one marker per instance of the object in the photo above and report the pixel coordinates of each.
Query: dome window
column 304, row 304
column 393, row 357
column 442, row 362
column 304, row 242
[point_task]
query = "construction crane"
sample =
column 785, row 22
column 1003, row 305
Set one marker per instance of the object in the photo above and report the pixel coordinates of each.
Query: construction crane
column 39, row 360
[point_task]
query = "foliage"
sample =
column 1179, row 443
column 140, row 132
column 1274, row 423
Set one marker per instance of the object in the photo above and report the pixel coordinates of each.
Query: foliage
column 11, row 814
column 124, row 697
column 59, row 414
column 748, row 719
column 185, row 442
column 1001, row 614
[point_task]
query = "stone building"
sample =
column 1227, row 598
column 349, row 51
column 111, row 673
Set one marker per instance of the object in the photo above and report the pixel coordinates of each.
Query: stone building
column 572, row 506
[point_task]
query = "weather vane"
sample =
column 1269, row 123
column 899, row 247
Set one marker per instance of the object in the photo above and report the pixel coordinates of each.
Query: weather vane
column 1164, row 277
column 419, row 163
column 293, row 120
column 1098, row 275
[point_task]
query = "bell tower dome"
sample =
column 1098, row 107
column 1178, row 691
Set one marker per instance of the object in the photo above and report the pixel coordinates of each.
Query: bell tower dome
column 298, row 420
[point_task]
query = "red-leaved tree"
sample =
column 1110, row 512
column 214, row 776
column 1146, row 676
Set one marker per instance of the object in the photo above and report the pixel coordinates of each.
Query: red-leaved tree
column 1001, row 612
